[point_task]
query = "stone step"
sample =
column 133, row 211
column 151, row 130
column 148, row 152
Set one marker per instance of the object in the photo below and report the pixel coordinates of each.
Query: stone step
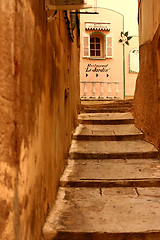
column 105, row 214
column 112, row 173
column 112, row 149
column 112, row 105
column 106, row 118
column 107, row 110
column 110, row 189
column 107, row 104
column 107, row 107
column 107, row 132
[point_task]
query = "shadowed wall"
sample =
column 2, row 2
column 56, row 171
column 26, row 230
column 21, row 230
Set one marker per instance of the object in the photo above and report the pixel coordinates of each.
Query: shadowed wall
column 39, row 102
column 147, row 94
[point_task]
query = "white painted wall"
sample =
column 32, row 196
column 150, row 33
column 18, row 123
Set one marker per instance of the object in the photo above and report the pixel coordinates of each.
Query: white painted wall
column 129, row 8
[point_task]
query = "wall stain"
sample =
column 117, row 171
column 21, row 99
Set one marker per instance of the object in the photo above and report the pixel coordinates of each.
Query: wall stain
column 5, row 209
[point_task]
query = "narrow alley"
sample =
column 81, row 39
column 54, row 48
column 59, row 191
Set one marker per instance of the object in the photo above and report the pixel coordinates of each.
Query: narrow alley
column 110, row 187
column 79, row 120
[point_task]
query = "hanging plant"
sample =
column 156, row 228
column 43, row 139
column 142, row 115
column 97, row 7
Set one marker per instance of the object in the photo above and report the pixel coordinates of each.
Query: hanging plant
column 125, row 38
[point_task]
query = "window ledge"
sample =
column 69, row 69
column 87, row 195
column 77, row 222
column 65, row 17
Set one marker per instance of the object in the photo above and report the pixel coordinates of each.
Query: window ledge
column 97, row 58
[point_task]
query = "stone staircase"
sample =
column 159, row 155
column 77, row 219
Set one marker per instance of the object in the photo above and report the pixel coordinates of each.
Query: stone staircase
column 110, row 189
column 111, row 106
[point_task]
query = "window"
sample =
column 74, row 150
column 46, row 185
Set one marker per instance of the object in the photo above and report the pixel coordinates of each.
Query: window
column 97, row 46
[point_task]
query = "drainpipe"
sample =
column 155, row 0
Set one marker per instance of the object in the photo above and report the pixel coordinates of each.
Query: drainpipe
column 124, row 67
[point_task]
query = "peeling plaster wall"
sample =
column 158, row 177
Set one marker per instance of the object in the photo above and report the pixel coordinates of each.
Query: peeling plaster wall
column 147, row 94
column 38, row 62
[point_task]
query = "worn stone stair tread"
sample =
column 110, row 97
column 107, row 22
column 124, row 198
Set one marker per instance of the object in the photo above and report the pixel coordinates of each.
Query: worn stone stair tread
column 107, row 110
column 107, row 104
column 104, row 213
column 111, row 173
column 112, row 149
column 70, row 235
column 106, row 118
column 111, row 105
column 104, row 132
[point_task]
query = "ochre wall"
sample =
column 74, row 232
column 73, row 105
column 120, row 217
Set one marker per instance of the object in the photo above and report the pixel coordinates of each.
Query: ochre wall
column 149, row 18
column 147, row 94
column 38, row 62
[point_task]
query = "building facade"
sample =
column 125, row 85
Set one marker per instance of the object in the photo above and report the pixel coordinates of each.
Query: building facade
column 108, row 68
column 147, row 94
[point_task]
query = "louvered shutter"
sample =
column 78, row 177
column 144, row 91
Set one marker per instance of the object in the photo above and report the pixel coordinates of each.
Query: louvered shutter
column 86, row 46
column 109, row 47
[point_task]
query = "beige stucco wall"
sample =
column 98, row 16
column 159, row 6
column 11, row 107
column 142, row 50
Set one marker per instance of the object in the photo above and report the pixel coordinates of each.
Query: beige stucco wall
column 38, row 62
column 147, row 94
column 115, row 64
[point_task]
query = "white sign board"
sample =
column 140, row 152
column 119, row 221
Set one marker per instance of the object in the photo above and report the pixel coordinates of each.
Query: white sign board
column 134, row 61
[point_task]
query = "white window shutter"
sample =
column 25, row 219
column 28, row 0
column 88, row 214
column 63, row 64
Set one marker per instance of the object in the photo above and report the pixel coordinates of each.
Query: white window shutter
column 109, row 47
column 86, row 46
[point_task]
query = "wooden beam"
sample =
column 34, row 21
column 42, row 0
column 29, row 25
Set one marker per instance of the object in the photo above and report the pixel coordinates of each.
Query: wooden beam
column 68, row 7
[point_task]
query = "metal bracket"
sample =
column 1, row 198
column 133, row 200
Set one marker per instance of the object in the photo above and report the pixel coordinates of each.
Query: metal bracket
column 49, row 19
